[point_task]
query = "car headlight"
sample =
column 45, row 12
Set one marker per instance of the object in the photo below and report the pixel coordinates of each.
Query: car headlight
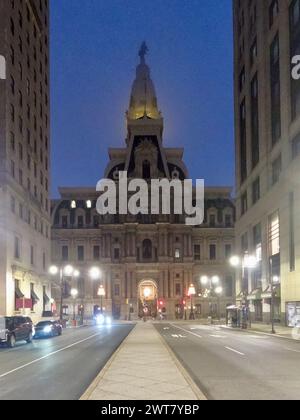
column 47, row 329
column 108, row 320
column 100, row 320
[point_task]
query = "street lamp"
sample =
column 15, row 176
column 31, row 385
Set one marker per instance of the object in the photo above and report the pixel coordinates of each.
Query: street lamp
column 212, row 283
column 67, row 271
column 219, row 291
column 74, row 294
column 95, row 273
column 191, row 293
column 248, row 262
column 101, row 293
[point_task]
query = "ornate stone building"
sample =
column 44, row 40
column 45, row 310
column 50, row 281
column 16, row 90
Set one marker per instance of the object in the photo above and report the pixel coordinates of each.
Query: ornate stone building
column 145, row 260
column 267, row 123
column 24, row 159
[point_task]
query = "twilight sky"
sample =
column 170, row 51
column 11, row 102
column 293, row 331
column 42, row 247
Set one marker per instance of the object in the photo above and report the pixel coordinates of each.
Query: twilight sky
column 94, row 52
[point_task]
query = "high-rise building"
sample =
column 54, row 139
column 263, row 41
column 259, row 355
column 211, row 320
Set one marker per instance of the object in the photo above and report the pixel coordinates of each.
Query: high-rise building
column 148, row 262
column 24, row 158
column 267, row 125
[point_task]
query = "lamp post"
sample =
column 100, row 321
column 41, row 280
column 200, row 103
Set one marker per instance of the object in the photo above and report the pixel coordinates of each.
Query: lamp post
column 213, row 285
column 101, row 293
column 273, row 331
column 67, row 271
column 74, row 294
column 191, row 293
column 219, row 291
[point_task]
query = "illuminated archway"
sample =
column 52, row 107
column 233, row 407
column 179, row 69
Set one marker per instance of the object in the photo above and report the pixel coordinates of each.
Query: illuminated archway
column 147, row 295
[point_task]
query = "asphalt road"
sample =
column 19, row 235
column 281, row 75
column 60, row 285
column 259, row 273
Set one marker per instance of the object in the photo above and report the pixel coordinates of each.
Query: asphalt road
column 60, row 368
column 236, row 365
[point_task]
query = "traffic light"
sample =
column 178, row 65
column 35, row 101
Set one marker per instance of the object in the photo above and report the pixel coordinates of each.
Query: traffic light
column 161, row 303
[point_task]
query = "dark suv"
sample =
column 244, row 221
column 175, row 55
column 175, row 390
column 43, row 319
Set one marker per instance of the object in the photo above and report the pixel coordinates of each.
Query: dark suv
column 15, row 328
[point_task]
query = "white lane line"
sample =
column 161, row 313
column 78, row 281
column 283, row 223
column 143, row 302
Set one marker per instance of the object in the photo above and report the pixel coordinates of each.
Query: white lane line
column 235, row 351
column 3, row 375
column 190, row 332
column 294, row 351
column 217, row 336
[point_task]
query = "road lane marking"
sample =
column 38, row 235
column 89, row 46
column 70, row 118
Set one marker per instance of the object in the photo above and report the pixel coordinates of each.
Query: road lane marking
column 3, row 375
column 294, row 351
column 217, row 336
column 190, row 332
column 235, row 351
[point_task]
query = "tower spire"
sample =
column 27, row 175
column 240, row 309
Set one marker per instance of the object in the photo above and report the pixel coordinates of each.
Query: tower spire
column 143, row 100
column 143, row 52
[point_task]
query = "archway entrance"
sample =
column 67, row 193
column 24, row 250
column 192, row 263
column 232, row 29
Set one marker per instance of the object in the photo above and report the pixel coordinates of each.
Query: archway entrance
column 148, row 296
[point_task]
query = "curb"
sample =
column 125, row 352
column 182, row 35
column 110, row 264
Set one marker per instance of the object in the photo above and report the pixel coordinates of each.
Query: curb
column 85, row 396
column 199, row 395
column 196, row 390
column 262, row 333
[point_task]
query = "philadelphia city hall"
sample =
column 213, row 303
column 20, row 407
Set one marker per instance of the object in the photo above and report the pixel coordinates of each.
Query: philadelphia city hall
column 151, row 261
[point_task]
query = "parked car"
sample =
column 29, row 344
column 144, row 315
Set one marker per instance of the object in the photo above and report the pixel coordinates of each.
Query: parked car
column 48, row 329
column 15, row 328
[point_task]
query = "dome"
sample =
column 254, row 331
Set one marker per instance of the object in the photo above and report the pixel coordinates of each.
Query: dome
column 143, row 100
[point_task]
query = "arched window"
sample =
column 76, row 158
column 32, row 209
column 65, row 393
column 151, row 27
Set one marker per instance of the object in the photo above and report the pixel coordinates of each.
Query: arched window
column 146, row 169
column 147, row 249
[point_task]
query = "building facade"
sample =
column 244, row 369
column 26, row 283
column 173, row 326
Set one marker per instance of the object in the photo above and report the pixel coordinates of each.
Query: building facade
column 146, row 261
column 24, row 158
column 267, row 125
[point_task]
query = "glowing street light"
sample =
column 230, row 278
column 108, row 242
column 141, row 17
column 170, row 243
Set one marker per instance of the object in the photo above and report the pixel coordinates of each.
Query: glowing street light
column 235, row 261
column 101, row 293
column 95, row 273
column 74, row 294
column 191, row 293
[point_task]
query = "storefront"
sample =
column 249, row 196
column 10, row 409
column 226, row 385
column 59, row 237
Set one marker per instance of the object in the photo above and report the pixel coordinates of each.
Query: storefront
column 293, row 314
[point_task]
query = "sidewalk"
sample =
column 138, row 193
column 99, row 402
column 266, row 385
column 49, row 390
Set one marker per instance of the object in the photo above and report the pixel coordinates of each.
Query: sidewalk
column 143, row 369
column 281, row 331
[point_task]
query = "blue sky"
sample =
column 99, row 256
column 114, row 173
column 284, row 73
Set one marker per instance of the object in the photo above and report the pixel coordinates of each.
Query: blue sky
column 94, row 47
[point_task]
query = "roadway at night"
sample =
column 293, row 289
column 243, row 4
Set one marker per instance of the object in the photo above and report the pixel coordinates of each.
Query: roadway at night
column 59, row 368
column 236, row 365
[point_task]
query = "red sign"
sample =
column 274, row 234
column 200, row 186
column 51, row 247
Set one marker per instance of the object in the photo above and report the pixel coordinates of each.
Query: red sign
column 23, row 304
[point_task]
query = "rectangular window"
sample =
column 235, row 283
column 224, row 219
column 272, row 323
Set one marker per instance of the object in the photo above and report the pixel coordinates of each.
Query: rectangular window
column 96, row 252
column 64, row 222
column 243, row 142
column 228, row 249
column 80, row 222
column 31, row 255
column 116, row 253
column 276, row 170
column 244, row 203
column 197, row 252
column 296, row 146
column 17, row 248
column 257, row 241
column 292, row 231
column 212, row 252
column 274, row 234
column 80, row 253
column 256, row 191
column 178, row 289
column 228, row 220
column 117, row 290
column 177, row 253
column 275, row 90
column 273, row 12
column 65, row 253
column 254, row 122
column 212, row 220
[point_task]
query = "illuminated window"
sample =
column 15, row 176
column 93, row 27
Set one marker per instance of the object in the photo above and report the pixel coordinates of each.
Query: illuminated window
column 274, row 234
column 89, row 204
column 73, row 204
